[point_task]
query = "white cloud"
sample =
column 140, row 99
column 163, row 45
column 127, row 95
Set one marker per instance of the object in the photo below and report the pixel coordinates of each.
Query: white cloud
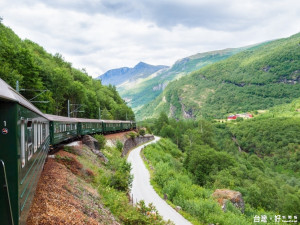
column 102, row 35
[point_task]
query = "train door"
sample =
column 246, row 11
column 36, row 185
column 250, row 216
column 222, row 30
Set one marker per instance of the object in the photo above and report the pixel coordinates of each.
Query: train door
column 23, row 155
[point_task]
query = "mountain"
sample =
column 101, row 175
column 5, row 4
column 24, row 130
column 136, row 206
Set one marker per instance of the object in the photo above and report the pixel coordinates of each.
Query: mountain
column 139, row 92
column 259, row 77
column 120, row 75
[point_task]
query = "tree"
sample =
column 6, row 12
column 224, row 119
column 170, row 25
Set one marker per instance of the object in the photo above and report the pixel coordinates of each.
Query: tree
column 161, row 121
column 201, row 160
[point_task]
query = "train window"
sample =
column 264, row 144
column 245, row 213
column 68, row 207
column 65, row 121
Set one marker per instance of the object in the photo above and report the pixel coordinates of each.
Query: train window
column 44, row 131
column 22, row 143
column 29, row 140
column 47, row 129
column 29, row 123
column 41, row 133
column 35, row 136
column 38, row 134
column 56, row 128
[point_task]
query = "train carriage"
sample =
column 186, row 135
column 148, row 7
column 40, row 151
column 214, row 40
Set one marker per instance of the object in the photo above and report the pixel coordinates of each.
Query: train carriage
column 24, row 144
column 90, row 126
column 62, row 128
column 111, row 126
column 125, row 125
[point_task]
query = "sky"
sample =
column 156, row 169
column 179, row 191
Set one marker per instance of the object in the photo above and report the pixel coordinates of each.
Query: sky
column 99, row 35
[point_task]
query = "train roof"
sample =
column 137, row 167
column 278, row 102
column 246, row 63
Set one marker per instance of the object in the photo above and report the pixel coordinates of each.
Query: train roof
column 84, row 120
column 70, row 119
column 60, row 118
column 9, row 94
column 116, row 121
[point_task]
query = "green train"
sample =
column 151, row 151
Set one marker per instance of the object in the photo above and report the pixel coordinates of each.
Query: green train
column 26, row 137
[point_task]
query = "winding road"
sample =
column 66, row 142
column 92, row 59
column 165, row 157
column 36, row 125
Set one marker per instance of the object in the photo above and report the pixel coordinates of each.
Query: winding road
column 142, row 189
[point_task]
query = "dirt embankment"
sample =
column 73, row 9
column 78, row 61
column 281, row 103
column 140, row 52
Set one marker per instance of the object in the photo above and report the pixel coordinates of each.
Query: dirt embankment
column 64, row 194
column 111, row 139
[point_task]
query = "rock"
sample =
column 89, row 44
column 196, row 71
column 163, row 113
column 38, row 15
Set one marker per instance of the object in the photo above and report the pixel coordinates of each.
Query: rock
column 224, row 195
column 91, row 142
column 177, row 208
column 132, row 143
column 165, row 197
column 100, row 155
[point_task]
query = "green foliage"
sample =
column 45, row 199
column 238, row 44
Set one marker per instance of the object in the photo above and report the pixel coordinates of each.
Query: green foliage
column 101, row 140
column 119, row 145
column 35, row 69
column 276, row 139
column 142, row 132
column 177, row 183
column 202, row 160
column 258, row 157
column 132, row 135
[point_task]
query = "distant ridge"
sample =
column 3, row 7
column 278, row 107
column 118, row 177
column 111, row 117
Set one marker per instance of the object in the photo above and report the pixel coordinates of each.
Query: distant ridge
column 120, row 75
column 260, row 77
column 138, row 92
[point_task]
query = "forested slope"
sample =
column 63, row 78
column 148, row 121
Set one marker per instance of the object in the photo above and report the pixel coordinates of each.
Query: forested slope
column 35, row 69
column 258, row 157
column 257, row 78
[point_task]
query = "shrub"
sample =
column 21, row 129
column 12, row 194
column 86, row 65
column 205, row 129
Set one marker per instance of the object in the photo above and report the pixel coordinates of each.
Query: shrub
column 101, row 139
column 119, row 145
column 132, row 135
column 142, row 132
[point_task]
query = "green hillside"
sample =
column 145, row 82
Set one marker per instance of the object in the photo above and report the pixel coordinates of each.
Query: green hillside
column 142, row 91
column 256, row 78
column 258, row 157
column 35, row 69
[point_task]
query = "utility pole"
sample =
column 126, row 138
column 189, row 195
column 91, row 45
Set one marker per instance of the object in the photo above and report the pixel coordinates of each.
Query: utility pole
column 99, row 113
column 31, row 100
column 17, row 86
column 76, row 106
column 68, row 108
